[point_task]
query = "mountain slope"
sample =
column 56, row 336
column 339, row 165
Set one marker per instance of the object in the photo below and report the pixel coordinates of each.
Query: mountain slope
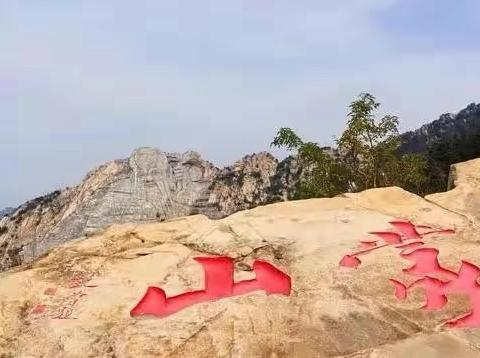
column 453, row 138
column 458, row 127
column 149, row 186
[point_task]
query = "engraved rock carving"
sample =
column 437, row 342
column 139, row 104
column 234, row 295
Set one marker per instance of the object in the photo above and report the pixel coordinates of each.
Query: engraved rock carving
column 437, row 282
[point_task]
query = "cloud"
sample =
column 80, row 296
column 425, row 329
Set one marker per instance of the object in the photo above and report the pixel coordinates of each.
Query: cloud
column 85, row 82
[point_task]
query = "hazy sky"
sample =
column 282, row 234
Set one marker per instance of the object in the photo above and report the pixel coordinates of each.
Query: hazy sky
column 83, row 82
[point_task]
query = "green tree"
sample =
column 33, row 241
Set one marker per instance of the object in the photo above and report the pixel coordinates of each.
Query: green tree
column 368, row 145
column 323, row 176
column 445, row 151
column 368, row 159
column 441, row 154
column 407, row 172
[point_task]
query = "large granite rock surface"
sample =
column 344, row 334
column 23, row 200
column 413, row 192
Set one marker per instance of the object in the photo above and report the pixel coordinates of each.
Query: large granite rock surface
column 150, row 185
column 75, row 300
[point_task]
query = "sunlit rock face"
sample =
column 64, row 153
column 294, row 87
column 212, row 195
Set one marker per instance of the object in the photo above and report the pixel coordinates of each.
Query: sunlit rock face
column 76, row 299
column 150, row 185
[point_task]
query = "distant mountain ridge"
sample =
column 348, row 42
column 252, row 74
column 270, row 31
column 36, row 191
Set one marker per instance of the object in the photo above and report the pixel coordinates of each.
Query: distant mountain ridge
column 453, row 138
column 447, row 127
column 150, row 185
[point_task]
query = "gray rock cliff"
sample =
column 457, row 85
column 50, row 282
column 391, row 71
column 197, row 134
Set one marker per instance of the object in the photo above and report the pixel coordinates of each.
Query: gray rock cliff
column 151, row 185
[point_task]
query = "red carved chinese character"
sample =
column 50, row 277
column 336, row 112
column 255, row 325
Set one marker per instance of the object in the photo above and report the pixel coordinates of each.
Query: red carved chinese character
column 437, row 282
column 402, row 239
column 218, row 284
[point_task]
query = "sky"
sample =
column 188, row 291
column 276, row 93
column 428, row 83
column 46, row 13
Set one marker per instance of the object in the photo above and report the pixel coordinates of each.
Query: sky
column 87, row 81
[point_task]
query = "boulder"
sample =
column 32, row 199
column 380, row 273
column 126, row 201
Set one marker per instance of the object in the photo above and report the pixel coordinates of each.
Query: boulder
column 76, row 300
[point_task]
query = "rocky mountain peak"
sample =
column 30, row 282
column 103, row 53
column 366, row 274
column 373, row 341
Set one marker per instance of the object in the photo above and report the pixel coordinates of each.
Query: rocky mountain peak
column 447, row 126
column 150, row 185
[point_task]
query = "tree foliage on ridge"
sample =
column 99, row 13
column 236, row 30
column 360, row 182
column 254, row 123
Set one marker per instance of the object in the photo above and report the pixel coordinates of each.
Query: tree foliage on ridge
column 368, row 156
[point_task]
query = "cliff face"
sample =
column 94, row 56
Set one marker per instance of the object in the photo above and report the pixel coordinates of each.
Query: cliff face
column 255, row 180
column 149, row 186
column 448, row 127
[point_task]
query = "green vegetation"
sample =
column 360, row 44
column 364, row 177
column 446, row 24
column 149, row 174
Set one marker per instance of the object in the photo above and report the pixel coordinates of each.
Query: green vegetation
column 368, row 156
column 447, row 151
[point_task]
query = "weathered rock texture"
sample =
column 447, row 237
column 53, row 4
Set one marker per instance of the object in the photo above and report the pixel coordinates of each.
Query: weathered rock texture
column 149, row 186
column 333, row 311
column 255, row 180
